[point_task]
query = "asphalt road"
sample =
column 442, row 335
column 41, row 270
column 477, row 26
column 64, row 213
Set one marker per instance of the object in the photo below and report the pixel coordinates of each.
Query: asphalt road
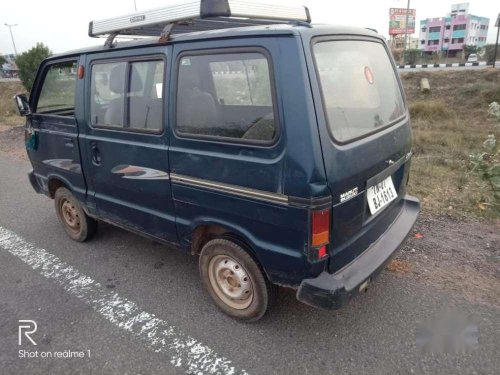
column 374, row 334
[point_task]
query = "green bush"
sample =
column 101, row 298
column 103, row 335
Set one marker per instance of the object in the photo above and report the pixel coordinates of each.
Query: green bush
column 469, row 50
column 489, row 53
column 28, row 63
column 411, row 56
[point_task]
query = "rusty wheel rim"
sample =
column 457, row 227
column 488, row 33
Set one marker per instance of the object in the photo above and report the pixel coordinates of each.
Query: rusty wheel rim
column 230, row 281
column 70, row 216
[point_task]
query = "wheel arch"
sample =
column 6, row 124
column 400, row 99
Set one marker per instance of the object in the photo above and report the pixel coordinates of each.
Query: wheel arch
column 205, row 231
column 54, row 182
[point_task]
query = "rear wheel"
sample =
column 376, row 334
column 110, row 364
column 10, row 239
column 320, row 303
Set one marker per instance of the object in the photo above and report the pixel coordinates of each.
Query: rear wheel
column 77, row 224
column 235, row 281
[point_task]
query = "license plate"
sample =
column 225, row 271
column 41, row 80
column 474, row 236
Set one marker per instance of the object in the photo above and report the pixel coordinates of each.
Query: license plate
column 380, row 195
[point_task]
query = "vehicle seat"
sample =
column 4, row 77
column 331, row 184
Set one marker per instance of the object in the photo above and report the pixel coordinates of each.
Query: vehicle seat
column 114, row 113
column 196, row 109
column 145, row 113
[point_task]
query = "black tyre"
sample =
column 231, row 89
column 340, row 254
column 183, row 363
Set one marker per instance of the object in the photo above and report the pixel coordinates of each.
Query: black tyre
column 235, row 281
column 74, row 220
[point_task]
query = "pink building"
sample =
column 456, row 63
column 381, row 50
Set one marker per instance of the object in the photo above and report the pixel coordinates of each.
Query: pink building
column 452, row 32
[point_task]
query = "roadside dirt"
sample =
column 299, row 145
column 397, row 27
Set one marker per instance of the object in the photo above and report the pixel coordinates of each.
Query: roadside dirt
column 458, row 255
column 12, row 141
column 462, row 256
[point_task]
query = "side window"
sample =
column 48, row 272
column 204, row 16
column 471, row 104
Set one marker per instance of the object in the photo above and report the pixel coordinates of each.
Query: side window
column 108, row 91
column 127, row 95
column 57, row 95
column 226, row 95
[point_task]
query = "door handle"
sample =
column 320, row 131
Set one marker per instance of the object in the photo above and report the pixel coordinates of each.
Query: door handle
column 68, row 142
column 96, row 156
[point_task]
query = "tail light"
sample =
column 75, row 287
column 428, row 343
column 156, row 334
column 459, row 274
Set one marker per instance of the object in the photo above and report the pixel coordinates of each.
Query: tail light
column 320, row 234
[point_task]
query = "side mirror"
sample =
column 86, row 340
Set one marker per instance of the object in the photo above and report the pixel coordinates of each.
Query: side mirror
column 22, row 104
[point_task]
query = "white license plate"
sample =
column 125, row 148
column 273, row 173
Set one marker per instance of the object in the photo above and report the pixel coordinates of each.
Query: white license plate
column 380, row 195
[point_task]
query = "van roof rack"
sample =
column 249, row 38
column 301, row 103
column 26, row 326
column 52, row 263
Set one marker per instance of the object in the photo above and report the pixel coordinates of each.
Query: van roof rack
column 196, row 15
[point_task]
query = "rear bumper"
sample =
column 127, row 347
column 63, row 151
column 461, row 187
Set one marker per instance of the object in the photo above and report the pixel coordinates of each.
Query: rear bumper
column 331, row 291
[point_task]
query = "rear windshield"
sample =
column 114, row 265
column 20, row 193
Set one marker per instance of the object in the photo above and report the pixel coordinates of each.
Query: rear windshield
column 360, row 90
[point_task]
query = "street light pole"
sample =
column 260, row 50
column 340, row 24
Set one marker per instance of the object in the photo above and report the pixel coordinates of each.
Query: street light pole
column 12, row 36
column 497, row 24
column 406, row 30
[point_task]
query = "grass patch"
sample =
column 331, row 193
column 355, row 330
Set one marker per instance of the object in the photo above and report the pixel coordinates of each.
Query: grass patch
column 449, row 124
column 492, row 95
column 430, row 110
column 8, row 112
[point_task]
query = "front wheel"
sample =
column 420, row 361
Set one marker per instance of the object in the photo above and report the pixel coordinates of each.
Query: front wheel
column 77, row 224
column 235, row 281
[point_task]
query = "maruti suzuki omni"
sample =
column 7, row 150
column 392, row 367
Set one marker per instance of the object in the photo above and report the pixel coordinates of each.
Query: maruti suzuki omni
column 276, row 150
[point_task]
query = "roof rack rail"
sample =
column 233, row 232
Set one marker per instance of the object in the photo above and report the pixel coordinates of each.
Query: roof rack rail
column 196, row 15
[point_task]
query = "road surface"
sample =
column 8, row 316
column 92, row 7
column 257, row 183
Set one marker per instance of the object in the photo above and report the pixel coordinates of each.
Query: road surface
column 135, row 307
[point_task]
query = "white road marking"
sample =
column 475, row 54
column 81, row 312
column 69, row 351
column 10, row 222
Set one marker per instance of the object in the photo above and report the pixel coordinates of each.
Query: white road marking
column 184, row 351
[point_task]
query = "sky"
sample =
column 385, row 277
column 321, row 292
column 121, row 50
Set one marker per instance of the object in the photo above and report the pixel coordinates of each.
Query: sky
column 63, row 25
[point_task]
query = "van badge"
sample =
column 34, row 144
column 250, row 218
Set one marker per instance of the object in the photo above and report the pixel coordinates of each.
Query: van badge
column 390, row 162
column 348, row 194
column 369, row 75
column 137, row 18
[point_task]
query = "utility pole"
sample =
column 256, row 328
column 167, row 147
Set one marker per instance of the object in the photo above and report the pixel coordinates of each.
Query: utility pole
column 497, row 24
column 12, row 36
column 406, row 30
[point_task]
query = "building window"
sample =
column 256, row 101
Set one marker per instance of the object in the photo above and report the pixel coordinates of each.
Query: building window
column 435, row 29
column 459, row 27
column 448, row 27
column 424, row 29
column 422, row 42
column 457, row 40
column 446, row 40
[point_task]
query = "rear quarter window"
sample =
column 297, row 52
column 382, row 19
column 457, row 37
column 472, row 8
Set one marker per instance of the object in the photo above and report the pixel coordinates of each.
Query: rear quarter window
column 226, row 96
column 359, row 87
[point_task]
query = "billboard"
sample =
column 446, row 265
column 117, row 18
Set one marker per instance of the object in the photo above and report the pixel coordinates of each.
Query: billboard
column 397, row 21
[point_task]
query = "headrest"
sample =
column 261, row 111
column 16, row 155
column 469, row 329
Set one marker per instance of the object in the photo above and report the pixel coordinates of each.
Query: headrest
column 117, row 80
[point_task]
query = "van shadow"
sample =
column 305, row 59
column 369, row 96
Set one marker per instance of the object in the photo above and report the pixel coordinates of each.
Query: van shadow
column 157, row 272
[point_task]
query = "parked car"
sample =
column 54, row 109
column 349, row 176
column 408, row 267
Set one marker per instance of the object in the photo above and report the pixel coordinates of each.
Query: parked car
column 472, row 58
column 279, row 153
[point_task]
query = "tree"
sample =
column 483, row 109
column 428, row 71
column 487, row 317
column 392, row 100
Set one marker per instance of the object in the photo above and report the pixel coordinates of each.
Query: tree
column 29, row 61
column 411, row 56
column 469, row 50
column 3, row 60
column 489, row 53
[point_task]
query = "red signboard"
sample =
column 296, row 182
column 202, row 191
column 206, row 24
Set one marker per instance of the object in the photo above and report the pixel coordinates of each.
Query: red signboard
column 397, row 21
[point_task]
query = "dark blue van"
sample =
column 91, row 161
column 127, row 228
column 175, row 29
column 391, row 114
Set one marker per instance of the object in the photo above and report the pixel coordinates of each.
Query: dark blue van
column 276, row 150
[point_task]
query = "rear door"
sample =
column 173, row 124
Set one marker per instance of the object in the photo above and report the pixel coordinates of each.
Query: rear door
column 53, row 101
column 125, row 140
column 365, row 136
